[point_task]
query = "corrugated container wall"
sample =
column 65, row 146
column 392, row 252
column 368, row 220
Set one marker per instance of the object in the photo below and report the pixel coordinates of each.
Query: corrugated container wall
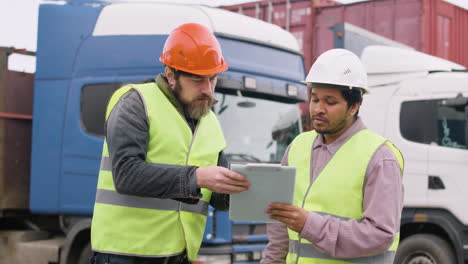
column 432, row 26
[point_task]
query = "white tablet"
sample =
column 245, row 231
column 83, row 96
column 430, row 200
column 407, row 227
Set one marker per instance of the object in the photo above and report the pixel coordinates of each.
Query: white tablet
column 268, row 183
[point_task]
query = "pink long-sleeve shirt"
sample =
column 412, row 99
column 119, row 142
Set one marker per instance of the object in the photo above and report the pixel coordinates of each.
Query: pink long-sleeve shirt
column 382, row 206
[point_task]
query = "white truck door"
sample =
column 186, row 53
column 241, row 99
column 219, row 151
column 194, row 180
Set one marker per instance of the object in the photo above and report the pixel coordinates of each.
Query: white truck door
column 394, row 113
column 448, row 152
column 404, row 128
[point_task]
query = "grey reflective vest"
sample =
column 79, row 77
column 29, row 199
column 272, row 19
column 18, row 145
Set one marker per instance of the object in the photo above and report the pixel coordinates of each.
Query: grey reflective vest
column 337, row 191
column 152, row 227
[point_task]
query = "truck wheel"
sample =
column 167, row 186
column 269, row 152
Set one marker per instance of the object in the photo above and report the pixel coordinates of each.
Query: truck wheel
column 424, row 249
column 86, row 253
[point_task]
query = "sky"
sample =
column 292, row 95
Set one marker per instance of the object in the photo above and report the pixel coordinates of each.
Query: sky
column 18, row 21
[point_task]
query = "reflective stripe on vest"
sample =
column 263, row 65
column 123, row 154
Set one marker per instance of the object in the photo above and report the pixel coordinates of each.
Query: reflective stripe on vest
column 114, row 198
column 143, row 226
column 309, row 251
column 336, row 191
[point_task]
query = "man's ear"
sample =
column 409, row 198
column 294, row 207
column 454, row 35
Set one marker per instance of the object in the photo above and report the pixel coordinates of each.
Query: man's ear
column 170, row 76
column 354, row 108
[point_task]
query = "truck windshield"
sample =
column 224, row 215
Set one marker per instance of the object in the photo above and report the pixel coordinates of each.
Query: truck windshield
column 256, row 130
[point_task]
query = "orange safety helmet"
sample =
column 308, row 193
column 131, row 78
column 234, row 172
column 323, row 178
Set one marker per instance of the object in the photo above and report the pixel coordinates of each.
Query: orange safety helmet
column 193, row 48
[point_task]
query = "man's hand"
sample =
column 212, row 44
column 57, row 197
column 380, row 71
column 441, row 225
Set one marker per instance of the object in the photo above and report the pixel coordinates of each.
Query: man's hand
column 294, row 217
column 221, row 180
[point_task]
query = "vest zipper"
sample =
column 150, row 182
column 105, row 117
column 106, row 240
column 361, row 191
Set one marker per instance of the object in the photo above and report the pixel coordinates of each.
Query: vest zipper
column 305, row 197
column 303, row 204
column 186, row 163
column 191, row 142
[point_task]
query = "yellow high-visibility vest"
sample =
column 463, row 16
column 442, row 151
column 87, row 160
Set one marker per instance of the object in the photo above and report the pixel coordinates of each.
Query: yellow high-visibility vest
column 337, row 191
column 152, row 227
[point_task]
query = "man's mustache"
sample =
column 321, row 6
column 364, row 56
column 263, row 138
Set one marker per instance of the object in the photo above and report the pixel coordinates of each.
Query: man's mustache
column 205, row 97
column 320, row 117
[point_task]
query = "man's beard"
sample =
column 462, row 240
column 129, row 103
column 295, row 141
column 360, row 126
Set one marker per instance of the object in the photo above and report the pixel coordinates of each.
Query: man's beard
column 341, row 124
column 194, row 109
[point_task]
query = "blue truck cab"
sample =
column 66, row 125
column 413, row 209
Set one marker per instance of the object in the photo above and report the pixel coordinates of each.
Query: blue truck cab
column 87, row 49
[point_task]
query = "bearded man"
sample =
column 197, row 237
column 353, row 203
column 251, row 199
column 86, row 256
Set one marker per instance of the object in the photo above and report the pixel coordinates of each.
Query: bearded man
column 162, row 162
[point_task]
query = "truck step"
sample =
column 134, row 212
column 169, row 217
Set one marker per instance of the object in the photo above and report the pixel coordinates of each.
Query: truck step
column 40, row 251
column 10, row 239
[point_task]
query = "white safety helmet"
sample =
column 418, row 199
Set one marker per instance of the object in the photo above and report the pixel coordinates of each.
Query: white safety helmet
column 339, row 67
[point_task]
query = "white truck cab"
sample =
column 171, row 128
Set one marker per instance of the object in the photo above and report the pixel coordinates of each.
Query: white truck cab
column 420, row 103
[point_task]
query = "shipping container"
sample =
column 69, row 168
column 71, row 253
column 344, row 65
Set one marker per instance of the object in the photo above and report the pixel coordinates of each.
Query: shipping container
column 435, row 27
column 15, row 133
column 296, row 17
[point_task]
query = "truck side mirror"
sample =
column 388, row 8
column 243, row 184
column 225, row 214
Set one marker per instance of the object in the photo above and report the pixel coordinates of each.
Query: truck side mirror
column 459, row 102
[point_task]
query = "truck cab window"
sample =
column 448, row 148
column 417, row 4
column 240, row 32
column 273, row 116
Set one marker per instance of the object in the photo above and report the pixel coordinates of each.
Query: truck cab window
column 417, row 121
column 94, row 99
column 257, row 130
column 429, row 121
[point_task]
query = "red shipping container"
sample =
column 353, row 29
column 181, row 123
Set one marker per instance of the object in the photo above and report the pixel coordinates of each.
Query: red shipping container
column 293, row 15
column 431, row 26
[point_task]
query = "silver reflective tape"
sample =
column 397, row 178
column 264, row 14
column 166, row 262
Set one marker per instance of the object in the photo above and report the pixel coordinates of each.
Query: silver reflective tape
column 106, row 164
column 342, row 218
column 115, row 198
column 199, row 208
column 309, row 251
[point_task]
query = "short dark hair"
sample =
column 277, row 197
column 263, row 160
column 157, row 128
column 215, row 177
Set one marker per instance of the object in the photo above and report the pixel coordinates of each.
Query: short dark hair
column 178, row 73
column 352, row 96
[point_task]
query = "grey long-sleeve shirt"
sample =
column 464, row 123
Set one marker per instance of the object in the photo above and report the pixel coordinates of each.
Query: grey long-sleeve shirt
column 127, row 134
column 382, row 206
